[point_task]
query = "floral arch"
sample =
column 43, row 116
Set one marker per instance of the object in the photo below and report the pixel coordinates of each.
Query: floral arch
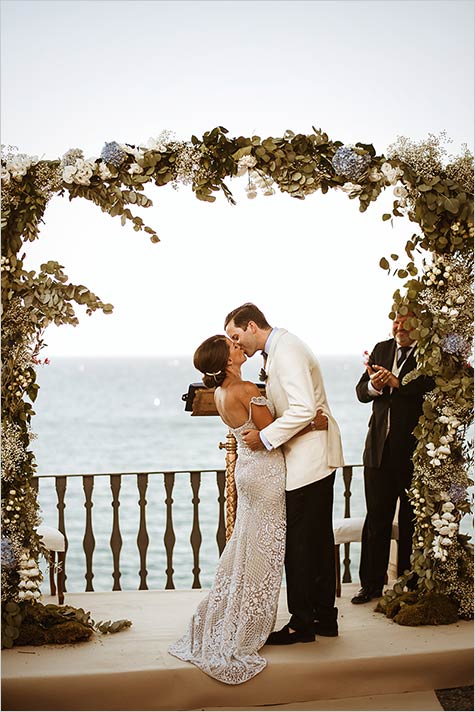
column 433, row 190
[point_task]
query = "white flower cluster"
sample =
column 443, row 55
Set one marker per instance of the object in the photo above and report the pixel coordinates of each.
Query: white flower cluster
column 6, row 266
column 374, row 175
column 400, row 192
column 437, row 274
column 161, row 142
column 442, row 451
column 13, row 454
column 12, row 508
column 419, row 506
column 245, row 163
column 30, row 578
column 20, row 382
column 256, row 180
column 104, row 171
column 80, row 171
column 446, row 527
column 352, row 189
column 138, row 152
column 17, row 166
column 391, row 174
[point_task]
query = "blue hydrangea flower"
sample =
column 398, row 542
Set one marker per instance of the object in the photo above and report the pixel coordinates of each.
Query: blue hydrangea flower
column 457, row 493
column 455, row 344
column 8, row 555
column 350, row 164
column 112, row 153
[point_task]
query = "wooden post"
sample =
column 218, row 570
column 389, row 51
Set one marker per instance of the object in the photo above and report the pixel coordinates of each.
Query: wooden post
column 231, row 495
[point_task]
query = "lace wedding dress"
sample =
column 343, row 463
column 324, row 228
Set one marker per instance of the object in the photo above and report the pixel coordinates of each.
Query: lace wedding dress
column 234, row 620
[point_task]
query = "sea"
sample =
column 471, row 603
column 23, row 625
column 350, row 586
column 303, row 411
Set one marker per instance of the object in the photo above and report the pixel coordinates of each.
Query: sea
column 127, row 415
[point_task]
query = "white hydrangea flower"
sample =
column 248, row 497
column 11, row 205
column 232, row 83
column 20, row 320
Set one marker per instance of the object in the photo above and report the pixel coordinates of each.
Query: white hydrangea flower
column 159, row 143
column 104, row 172
column 84, row 171
column 400, row 192
column 448, row 516
column 18, row 166
column 136, row 152
column 448, row 507
column 135, row 168
column 244, row 164
column 68, row 174
column 351, row 188
column 80, row 172
column 374, row 175
column 5, row 176
column 391, row 174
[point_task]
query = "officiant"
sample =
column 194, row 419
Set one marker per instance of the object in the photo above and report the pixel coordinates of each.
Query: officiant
column 387, row 458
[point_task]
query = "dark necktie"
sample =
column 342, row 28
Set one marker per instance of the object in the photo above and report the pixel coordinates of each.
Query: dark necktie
column 402, row 355
column 262, row 373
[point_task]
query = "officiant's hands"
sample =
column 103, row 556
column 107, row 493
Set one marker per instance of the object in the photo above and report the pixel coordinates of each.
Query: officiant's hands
column 253, row 440
column 381, row 377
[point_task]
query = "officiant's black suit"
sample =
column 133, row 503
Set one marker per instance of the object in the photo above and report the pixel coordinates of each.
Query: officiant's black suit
column 388, row 466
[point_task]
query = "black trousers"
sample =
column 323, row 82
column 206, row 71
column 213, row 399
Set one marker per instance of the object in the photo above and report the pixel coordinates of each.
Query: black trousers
column 310, row 555
column 383, row 487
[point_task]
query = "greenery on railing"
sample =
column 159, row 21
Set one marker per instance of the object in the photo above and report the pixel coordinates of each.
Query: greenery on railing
column 434, row 191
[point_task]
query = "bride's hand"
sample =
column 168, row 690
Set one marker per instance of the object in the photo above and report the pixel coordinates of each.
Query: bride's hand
column 253, row 440
column 320, row 421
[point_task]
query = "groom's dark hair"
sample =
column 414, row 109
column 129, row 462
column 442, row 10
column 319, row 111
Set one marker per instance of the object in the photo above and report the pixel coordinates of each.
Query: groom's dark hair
column 244, row 314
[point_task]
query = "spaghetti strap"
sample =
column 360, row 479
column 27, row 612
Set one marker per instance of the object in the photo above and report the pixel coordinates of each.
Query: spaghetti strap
column 257, row 400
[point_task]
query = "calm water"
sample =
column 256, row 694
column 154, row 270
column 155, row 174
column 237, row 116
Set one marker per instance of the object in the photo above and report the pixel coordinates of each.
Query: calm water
column 103, row 415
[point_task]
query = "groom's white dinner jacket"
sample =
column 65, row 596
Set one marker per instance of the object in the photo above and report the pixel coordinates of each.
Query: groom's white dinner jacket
column 295, row 386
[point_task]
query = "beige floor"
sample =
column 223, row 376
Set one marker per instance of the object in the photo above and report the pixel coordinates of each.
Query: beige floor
column 133, row 671
column 402, row 702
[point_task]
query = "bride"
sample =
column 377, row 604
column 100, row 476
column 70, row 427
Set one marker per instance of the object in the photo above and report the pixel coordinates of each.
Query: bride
column 235, row 619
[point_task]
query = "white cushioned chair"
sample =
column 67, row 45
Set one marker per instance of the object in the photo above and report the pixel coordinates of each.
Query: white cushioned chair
column 346, row 530
column 54, row 541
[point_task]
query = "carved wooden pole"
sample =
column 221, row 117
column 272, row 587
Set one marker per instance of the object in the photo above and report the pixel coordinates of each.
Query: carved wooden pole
column 231, row 495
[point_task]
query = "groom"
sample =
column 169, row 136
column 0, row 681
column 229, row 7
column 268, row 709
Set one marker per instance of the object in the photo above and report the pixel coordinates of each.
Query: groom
column 295, row 386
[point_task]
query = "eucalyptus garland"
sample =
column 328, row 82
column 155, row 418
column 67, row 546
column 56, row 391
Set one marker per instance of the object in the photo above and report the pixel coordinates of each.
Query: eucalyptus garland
column 433, row 190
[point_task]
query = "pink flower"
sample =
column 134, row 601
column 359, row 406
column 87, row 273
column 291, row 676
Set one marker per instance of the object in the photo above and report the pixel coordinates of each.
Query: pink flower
column 365, row 357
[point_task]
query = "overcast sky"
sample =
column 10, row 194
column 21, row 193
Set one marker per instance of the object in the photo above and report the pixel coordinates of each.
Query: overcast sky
column 77, row 74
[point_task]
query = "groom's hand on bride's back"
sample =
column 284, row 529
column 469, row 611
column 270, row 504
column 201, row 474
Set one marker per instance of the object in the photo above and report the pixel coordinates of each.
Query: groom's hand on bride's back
column 253, row 440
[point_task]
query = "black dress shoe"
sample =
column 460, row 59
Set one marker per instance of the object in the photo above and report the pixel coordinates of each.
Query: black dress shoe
column 327, row 630
column 367, row 594
column 286, row 637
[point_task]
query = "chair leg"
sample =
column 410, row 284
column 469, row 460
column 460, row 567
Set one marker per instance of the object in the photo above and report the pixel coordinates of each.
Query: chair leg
column 337, row 570
column 61, row 563
column 52, row 562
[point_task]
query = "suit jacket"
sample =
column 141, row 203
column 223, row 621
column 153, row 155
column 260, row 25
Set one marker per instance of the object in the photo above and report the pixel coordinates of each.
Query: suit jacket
column 295, row 387
column 403, row 405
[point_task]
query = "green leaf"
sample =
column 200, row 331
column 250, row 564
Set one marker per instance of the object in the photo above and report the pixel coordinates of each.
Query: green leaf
column 451, row 204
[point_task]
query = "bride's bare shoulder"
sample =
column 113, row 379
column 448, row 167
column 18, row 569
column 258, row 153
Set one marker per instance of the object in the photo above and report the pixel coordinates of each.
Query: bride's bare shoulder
column 248, row 390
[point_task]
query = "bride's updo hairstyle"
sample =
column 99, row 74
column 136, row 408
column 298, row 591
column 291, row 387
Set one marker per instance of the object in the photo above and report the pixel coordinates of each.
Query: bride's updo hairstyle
column 211, row 358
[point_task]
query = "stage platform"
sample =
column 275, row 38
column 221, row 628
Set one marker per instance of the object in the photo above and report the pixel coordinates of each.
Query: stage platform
column 373, row 664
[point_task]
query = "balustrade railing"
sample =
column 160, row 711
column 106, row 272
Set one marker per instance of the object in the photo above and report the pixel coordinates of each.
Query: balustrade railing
column 223, row 527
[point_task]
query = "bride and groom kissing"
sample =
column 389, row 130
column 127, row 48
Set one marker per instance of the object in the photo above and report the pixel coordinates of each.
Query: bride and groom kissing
column 289, row 447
